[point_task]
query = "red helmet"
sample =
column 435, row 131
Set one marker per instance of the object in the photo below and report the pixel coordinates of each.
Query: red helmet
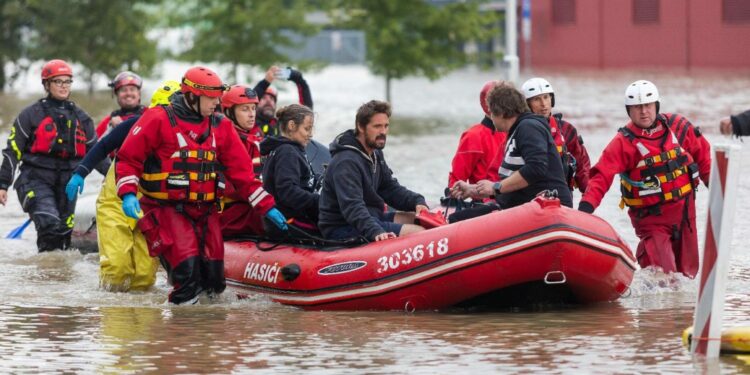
column 126, row 78
column 483, row 95
column 55, row 68
column 272, row 91
column 238, row 94
column 202, row 81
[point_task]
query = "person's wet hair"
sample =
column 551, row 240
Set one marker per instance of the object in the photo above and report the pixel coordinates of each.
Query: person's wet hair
column 506, row 101
column 293, row 112
column 368, row 110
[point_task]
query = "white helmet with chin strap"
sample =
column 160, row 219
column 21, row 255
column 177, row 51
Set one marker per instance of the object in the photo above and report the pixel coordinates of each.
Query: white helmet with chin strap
column 537, row 86
column 641, row 92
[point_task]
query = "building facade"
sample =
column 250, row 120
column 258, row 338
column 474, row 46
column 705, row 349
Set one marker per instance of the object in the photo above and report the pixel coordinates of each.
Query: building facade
column 639, row 33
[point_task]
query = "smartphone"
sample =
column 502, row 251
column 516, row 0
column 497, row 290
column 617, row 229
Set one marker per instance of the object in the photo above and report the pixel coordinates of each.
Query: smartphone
column 284, row 73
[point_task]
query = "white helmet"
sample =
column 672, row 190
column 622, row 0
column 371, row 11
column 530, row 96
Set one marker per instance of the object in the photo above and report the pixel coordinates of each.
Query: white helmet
column 537, row 86
column 641, row 92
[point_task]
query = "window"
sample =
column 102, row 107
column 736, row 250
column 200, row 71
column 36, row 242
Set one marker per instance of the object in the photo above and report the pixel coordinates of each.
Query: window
column 735, row 11
column 645, row 12
column 564, row 12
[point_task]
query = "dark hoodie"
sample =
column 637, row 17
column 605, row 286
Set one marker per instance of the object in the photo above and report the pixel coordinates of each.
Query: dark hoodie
column 357, row 187
column 531, row 152
column 287, row 175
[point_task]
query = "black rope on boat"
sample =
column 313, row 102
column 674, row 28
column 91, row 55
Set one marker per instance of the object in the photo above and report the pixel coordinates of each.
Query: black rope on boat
column 314, row 240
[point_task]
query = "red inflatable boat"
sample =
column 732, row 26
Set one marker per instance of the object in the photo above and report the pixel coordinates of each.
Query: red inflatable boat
column 529, row 253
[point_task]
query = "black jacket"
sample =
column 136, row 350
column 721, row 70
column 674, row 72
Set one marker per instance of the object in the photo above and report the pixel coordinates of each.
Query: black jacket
column 741, row 123
column 22, row 137
column 531, row 152
column 356, row 188
column 287, row 175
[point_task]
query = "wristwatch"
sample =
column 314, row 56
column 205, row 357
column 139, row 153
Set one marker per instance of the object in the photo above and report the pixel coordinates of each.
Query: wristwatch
column 496, row 187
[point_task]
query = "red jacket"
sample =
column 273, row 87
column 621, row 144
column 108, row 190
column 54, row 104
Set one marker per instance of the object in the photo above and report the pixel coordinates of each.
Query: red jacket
column 103, row 126
column 252, row 139
column 153, row 135
column 479, row 154
column 574, row 144
column 621, row 155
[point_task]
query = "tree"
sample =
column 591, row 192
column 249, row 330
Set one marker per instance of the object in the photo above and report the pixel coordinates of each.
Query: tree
column 242, row 31
column 415, row 38
column 105, row 36
column 14, row 20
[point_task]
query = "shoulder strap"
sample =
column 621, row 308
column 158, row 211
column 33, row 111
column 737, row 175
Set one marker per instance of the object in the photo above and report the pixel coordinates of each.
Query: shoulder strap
column 170, row 114
column 627, row 133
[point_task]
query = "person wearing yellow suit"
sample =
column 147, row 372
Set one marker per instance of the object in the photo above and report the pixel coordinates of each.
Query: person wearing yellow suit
column 124, row 261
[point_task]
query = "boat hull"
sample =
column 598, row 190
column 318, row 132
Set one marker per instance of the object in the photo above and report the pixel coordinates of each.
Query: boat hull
column 538, row 243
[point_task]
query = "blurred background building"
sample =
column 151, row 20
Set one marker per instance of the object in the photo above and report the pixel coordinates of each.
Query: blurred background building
column 638, row 33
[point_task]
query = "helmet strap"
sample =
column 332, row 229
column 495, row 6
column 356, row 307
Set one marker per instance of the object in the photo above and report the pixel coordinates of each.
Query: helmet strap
column 229, row 112
column 193, row 101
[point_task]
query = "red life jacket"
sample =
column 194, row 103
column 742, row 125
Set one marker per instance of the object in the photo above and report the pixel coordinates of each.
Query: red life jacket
column 59, row 136
column 251, row 139
column 664, row 173
column 568, row 161
column 190, row 174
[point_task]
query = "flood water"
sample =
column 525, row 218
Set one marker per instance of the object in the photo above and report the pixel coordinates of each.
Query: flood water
column 54, row 318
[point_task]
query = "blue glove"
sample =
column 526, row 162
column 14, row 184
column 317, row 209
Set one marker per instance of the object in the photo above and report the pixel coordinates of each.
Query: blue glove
column 277, row 218
column 75, row 186
column 131, row 207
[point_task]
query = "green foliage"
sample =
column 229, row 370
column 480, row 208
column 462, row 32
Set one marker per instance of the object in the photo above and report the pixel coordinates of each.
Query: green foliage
column 105, row 36
column 14, row 18
column 415, row 38
column 242, row 31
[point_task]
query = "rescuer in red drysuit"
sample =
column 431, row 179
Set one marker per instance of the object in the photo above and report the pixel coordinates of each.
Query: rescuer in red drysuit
column 480, row 148
column 660, row 158
column 126, row 86
column 172, row 155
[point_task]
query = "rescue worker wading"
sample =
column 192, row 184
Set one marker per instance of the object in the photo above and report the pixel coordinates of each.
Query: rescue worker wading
column 172, row 154
column 48, row 138
column 124, row 261
column 659, row 157
column 480, row 149
column 575, row 159
column 127, row 88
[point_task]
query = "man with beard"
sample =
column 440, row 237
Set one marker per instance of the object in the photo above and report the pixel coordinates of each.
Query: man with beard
column 358, row 184
column 127, row 89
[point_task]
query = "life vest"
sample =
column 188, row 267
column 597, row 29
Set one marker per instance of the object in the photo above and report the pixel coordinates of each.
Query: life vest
column 252, row 143
column 269, row 128
column 664, row 173
column 190, row 174
column 568, row 161
column 59, row 136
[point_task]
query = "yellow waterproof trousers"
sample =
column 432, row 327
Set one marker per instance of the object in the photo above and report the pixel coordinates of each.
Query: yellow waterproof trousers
column 123, row 255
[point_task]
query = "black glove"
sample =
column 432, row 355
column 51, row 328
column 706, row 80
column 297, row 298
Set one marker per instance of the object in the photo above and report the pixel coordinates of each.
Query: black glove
column 586, row 207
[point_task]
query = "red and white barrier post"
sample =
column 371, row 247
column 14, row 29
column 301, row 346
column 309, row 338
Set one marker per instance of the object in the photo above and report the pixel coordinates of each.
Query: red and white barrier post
column 709, row 310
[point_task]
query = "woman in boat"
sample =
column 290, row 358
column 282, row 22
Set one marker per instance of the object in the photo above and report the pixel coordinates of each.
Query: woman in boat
column 287, row 174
